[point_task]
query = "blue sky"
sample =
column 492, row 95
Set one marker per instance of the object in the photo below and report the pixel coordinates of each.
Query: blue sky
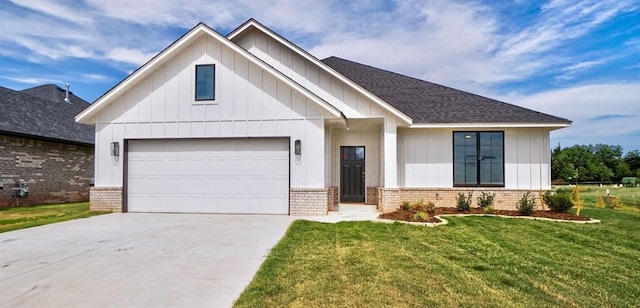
column 575, row 59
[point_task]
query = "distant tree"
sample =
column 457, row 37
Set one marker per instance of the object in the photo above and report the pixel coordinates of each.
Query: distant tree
column 597, row 163
column 632, row 158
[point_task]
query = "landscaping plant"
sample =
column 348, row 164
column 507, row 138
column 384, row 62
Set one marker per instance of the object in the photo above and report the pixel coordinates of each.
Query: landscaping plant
column 560, row 201
column 485, row 201
column 463, row 203
column 526, row 204
column 577, row 202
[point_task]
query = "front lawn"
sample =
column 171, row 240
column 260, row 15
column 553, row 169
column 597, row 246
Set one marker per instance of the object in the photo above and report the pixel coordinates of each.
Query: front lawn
column 31, row 216
column 472, row 261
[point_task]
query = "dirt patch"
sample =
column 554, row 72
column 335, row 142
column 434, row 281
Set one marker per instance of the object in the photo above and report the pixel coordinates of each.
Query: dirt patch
column 410, row 215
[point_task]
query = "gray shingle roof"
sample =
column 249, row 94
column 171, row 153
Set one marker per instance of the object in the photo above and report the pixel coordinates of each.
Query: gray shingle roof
column 42, row 113
column 427, row 102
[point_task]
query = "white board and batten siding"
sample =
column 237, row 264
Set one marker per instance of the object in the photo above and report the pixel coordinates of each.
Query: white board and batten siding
column 353, row 104
column 246, row 175
column 425, row 158
column 249, row 102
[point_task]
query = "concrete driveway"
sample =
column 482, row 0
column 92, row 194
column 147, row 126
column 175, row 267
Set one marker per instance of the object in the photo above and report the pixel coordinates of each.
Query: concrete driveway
column 136, row 260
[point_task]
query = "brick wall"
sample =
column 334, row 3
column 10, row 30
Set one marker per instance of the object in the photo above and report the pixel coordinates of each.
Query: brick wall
column 55, row 172
column 388, row 199
column 333, row 198
column 372, row 196
column 107, row 199
column 308, row 201
column 446, row 197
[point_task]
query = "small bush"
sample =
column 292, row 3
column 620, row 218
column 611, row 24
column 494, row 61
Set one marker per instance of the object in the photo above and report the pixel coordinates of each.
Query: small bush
column 485, row 199
column 610, row 202
column 430, row 208
column 420, row 216
column 406, row 206
column 577, row 201
column 463, row 203
column 489, row 209
column 629, row 182
column 419, row 206
column 560, row 201
column 526, row 204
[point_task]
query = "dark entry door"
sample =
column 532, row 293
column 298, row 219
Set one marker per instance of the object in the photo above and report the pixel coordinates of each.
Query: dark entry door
column 352, row 187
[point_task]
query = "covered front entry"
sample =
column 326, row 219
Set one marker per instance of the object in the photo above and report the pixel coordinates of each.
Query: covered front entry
column 352, row 174
column 238, row 175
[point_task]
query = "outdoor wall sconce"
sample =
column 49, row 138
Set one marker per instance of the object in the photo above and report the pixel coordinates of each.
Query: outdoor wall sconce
column 115, row 149
column 297, row 148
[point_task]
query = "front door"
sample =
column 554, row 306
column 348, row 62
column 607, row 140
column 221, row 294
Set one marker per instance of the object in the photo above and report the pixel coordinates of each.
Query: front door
column 352, row 187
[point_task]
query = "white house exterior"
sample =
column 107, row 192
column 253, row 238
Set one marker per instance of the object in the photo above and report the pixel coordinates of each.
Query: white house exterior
column 251, row 123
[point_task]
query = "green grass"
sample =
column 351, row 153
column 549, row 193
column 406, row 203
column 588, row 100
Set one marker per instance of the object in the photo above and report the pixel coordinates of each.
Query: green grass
column 630, row 197
column 472, row 261
column 31, row 216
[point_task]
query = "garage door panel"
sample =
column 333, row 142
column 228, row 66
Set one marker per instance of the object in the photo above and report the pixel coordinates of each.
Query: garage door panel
column 209, row 176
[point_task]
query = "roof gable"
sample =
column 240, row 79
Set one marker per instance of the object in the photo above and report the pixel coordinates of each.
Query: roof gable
column 173, row 49
column 30, row 115
column 252, row 23
column 431, row 104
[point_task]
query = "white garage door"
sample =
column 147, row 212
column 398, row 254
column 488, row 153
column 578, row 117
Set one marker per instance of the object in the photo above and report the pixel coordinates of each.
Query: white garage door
column 209, row 176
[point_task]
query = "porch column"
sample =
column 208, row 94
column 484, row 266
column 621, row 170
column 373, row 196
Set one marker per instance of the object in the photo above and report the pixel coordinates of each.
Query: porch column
column 390, row 153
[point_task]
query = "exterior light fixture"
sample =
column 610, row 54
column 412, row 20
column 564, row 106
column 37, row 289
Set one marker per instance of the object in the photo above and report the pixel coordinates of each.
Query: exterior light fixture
column 115, row 149
column 297, row 149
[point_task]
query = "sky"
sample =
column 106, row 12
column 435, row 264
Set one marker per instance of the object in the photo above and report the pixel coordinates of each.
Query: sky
column 575, row 59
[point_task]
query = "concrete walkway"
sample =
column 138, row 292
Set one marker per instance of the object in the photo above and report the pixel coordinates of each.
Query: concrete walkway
column 136, row 260
column 348, row 212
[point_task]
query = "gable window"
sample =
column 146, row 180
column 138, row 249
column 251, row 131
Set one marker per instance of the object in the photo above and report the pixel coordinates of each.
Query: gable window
column 205, row 82
column 478, row 159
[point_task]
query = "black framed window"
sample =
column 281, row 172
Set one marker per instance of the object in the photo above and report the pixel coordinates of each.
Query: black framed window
column 205, row 82
column 478, row 159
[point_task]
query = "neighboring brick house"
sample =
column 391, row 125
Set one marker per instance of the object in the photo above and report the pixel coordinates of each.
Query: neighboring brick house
column 43, row 147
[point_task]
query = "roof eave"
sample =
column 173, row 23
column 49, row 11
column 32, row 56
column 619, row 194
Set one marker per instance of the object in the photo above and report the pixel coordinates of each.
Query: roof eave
column 253, row 23
column 491, row 125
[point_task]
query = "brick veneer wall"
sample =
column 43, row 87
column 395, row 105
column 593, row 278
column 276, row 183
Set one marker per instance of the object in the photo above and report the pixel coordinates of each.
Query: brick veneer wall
column 372, row 195
column 55, row 172
column 107, row 199
column 446, row 197
column 333, row 198
column 388, row 199
column 308, row 201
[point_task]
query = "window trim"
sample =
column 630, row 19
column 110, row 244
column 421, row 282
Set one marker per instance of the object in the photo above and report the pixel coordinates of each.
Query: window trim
column 195, row 84
column 453, row 154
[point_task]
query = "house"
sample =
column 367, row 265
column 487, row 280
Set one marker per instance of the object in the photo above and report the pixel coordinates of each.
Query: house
column 45, row 156
column 251, row 123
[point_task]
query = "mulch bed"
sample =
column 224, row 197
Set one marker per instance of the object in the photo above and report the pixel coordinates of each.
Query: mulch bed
column 408, row 215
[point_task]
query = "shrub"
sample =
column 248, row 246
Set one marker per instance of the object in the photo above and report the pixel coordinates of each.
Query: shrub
column 406, row 206
column 577, row 202
column 629, row 182
column 489, row 209
column 610, row 202
column 560, row 201
column 419, row 206
column 526, row 204
column 463, row 203
column 420, row 216
column 486, row 199
column 430, row 208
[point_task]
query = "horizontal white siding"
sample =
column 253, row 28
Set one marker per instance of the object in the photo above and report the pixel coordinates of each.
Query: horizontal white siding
column 425, row 158
column 334, row 91
column 249, row 102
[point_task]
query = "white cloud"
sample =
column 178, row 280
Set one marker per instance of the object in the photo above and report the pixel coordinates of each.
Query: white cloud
column 57, row 9
column 601, row 113
column 126, row 55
